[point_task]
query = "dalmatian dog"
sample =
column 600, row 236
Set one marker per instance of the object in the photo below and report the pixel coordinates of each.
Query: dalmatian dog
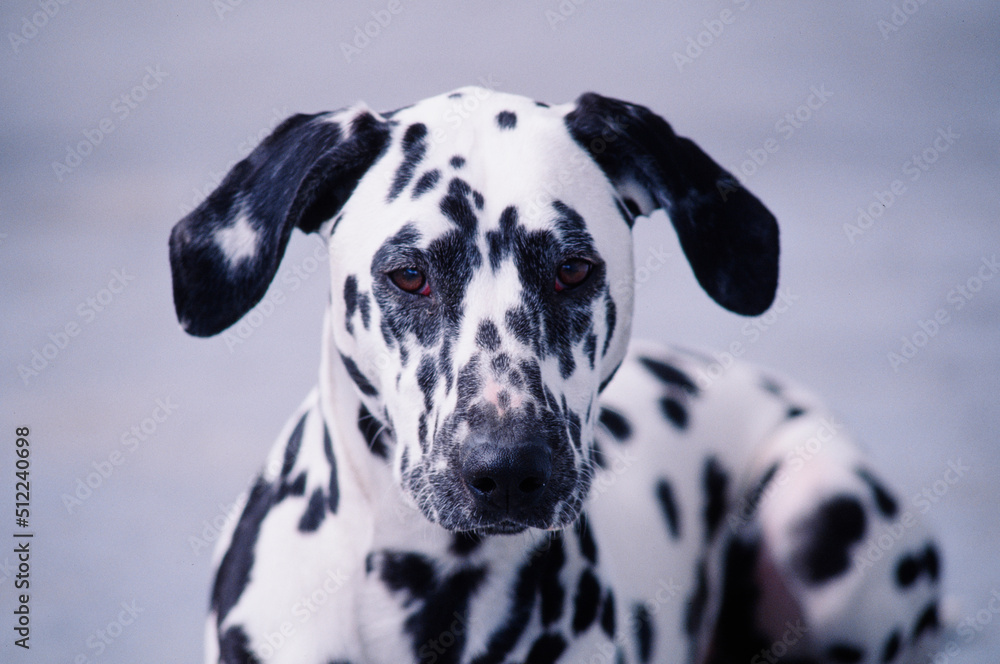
column 488, row 470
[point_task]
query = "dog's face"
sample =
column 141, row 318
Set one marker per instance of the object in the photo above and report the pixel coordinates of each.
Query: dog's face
column 481, row 265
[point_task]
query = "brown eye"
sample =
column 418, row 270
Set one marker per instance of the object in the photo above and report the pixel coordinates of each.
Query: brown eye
column 411, row 280
column 572, row 273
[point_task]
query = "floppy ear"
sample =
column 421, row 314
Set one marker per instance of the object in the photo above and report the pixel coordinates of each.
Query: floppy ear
column 226, row 252
column 728, row 236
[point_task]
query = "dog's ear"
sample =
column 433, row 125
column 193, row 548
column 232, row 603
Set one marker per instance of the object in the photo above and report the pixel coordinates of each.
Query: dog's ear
column 226, row 252
column 728, row 236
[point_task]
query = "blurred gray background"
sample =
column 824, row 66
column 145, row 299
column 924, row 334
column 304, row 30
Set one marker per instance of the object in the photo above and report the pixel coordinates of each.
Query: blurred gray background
column 117, row 118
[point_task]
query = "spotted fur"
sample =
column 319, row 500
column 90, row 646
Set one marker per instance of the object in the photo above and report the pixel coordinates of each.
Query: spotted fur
column 467, row 483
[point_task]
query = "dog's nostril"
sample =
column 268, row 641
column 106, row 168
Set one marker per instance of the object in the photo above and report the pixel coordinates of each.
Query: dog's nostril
column 531, row 484
column 484, row 485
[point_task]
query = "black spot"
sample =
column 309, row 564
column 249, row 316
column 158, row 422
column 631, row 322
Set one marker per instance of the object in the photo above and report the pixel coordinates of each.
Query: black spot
column 838, row 524
column 695, row 609
column 542, row 568
column 590, row 348
column 455, row 206
column 427, row 378
column 234, row 570
column 675, row 412
column 642, row 623
column 314, row 513
column 665, row 494
column 588, row 547
column 295, row 488
column 927, row 622
column 501, row 365
column 715, row 483
column 567, row 364
column 586, row 602
column 488, row 336
column 333, row 498
column 414, row 148
column 736, row 638
column 907, row 570
column 364, row 304
column 615, row 423
column 506, row 119
column 519, row 323
column 358, row 377
column 794, row 411
column 292, row 448
column 350, row 301
column 457, row 161
column 845, row 653
column 669, row 375
column 883, row 499
column 632, row 206
column 371, row 429
column 755, row 494
column 411, row 572
column 426, row 182
column 541, row 104
column 608, row 614
column 932, row 562
column 464, row 543
column 478, row 200
column 610, row 319
column 546, row 649
column 234, row 648
column 891, row 648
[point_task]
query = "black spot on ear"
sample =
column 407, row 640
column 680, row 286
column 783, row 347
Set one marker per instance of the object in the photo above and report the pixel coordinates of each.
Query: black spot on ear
column 234, row 647
column 488, row 336
column 358, row 377
column 669, row 375
column 643, row 625
column 457, row 162
column 665, row 495
column 426, row 182
column 615, row 423
column 506, row 119
column 586, row 602
column 837, row 525
column 414, row 147
column 314, row 513
column 847, row 654
column 674, row 412
column 546, row 649
column 883, row 499
column 715, row 483
column 927, row 622
column 891, row 648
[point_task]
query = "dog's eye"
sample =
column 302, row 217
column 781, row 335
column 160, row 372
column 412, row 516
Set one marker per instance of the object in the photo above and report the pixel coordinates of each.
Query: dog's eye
column 571, row 273
column 411, row 280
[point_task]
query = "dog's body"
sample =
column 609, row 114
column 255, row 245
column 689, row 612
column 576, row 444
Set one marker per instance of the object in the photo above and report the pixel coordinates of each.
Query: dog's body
column 461, row 487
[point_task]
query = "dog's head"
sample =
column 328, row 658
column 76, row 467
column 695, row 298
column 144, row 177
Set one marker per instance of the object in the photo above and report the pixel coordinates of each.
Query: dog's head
column 481, row 261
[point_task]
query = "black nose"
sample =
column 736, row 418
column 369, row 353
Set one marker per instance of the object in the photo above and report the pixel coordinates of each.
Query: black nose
column 508, row 477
